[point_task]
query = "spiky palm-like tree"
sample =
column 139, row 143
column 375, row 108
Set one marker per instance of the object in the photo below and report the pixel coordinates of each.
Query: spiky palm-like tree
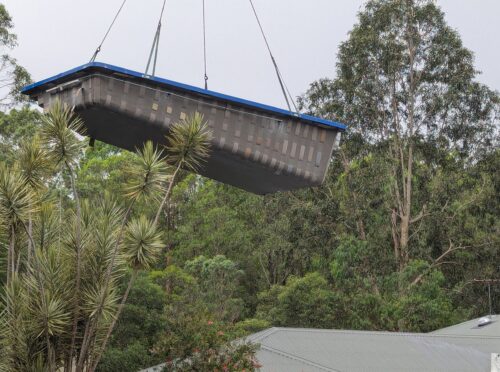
column 188, row 146
column 58, row 312
column 58, row 133
column 16, row 204
column 35, row 165
column 142, row 246
column 146, row 176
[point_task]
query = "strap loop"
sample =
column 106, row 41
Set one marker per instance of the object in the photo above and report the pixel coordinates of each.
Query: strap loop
column 156, row 43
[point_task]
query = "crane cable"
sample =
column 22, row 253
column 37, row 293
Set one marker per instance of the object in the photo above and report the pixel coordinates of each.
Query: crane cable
column 205, row 46
column 98, row 49
column 156, row 43
column 283, row 85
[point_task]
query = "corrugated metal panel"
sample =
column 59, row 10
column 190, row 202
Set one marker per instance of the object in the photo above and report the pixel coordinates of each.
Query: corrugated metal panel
column 376, row 351
column 472, row 328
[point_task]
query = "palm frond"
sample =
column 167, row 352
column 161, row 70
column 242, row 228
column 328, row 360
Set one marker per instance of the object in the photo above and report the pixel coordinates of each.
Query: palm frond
column 17, row 201
column 147, row 173
column 58, row 133
column 48, row 225
column 188, row 143
column 52, row 316
column 34, row 162
column 14, row 325
column 142, row 243
column 93, row 297
column 98, row 255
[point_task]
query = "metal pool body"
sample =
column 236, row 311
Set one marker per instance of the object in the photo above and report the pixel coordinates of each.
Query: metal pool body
column 259, row 148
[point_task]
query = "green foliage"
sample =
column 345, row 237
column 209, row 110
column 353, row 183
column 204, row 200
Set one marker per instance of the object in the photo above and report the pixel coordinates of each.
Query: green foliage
column 188, row 142
column 147, row 173
column 128, row 358
column 218, row 278
column 302, row 302
column 142, row 243
column 421, row 308
column 13, row 76
column 61, row 302
column 34, row 162
column 16, row 126
column 102, row 168
column 382, row 245
column 206, row 345
column 251, row 325
column 16, row 199
column 58, row 133
column 6, row 37
column 230, row 357
column 212, row 219
column 138, row 329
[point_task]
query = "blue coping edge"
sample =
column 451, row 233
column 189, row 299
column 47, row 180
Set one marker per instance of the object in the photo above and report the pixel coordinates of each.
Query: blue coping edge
column 185, row 87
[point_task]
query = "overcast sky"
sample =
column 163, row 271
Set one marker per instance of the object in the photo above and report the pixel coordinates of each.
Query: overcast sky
column 56, row 35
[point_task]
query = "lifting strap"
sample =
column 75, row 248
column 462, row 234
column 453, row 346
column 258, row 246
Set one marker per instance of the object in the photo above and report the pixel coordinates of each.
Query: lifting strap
column 154, row 47
column 283, row 86
column 107, row 32
column 205, row 47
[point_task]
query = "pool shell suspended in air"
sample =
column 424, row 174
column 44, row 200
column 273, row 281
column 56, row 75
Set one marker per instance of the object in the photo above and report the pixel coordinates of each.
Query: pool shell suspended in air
column 259, row 148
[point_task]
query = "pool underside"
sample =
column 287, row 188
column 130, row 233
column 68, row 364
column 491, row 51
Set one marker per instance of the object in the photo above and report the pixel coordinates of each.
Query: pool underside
column 127, row 132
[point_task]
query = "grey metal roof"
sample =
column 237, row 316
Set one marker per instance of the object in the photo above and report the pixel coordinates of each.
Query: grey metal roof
column 471, row 328
column 461, row 348
column 297, row 350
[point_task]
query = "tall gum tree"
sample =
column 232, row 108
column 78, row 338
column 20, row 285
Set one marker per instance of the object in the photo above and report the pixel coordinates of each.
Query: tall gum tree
column 12, row 76
column 405, row 82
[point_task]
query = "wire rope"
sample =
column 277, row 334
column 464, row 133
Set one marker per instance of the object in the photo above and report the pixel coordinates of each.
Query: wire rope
column 205, row 47
column 98, row 49
column 281, row 81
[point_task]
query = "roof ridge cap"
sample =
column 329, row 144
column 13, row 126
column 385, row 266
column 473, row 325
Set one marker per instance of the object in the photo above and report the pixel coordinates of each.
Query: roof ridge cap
column 389, row 333
column 263, row 334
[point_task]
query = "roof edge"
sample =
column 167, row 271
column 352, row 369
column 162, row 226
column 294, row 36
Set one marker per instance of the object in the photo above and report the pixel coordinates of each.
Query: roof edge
column 263, row 334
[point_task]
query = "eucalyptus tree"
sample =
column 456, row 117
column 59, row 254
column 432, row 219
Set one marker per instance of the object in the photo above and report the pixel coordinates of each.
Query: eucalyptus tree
column 12, row 75
column 60, row 305
column 406, row 85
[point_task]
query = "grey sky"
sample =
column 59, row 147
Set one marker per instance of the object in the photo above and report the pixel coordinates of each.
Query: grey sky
column 55, row 35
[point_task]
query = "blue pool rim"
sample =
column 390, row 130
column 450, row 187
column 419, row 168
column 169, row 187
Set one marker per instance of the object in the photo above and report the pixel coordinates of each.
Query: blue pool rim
column 107, row 68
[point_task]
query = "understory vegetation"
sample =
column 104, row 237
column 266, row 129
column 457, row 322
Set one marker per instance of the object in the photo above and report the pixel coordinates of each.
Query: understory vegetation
column 116, row 261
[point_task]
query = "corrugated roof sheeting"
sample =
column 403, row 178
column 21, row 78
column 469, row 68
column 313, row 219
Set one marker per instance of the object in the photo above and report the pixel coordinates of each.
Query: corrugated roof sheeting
column 372, row 351
column 460, row 348
column 471, row 328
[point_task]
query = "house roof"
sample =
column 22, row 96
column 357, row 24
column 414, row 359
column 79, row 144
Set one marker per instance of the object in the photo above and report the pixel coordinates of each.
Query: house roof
column 472, row 328
column 296, row 350
column 464, row 347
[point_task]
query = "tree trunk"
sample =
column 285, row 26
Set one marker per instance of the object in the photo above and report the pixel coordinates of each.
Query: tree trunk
column 10, row 254
column 30, row 231
column 113, row 323
column 167, row 194
column 76, row 297
column 406, row 217
column 89, row 334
